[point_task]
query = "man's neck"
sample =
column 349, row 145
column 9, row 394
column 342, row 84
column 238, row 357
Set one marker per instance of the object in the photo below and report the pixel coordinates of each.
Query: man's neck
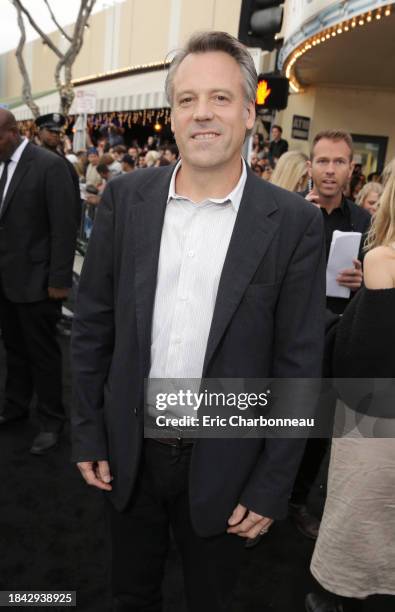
column 331, row 203
column 199, row 185
column 17, row 144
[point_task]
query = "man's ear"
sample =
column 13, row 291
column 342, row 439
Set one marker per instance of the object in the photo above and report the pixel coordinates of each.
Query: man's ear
column 352, row 166
column 171, row 122
column 250, row 115
column 309, row 168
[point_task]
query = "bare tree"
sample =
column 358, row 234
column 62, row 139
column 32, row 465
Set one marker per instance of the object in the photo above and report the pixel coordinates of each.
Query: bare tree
column 66, row 58
column 26, row 86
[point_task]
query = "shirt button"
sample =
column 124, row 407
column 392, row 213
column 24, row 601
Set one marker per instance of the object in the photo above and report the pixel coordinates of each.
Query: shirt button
column 191, row 253
column 177, row 340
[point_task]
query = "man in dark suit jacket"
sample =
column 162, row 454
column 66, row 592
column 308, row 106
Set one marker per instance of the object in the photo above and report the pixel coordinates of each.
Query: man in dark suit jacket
column 50, row 128
column 37, row 241
column 198, row 270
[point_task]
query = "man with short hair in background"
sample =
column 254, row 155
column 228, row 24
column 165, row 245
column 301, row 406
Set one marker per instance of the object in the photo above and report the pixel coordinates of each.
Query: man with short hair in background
column 278, row 146
column 171, row 154
column 92, row 175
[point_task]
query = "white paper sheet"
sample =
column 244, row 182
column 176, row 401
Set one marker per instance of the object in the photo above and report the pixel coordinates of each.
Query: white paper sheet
column 344, row 248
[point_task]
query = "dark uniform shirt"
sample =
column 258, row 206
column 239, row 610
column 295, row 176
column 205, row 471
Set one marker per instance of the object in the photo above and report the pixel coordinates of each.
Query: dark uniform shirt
column 76, row 182
column 338, row 219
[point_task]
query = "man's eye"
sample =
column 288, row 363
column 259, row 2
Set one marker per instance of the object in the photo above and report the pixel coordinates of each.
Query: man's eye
column 185, row 101
column 221, row 98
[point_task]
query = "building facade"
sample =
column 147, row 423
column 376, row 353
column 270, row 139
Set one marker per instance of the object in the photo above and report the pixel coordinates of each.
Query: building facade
column 340, row 58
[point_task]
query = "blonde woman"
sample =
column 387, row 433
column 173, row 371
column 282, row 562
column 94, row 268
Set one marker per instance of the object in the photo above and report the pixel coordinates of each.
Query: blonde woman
column 291, row 171
column 354, row 557
column 368, row 197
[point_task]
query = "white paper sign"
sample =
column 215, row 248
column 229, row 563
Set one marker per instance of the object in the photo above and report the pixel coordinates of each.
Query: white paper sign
column 85, row 102
column 344, row 248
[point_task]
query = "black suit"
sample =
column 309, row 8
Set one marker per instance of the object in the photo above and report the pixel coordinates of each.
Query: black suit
column 268, row 321
column 37, row 242
column 77, row 203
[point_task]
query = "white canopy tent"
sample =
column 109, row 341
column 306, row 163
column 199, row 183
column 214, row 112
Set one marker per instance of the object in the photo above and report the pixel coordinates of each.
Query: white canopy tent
column 126, row 93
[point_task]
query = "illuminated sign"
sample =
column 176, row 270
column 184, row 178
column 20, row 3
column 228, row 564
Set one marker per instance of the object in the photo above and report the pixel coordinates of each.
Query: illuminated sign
column 262, row 92
column 272, row 92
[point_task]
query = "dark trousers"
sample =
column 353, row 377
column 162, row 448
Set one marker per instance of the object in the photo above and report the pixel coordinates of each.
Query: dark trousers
column 34, row 360
column 140, row 540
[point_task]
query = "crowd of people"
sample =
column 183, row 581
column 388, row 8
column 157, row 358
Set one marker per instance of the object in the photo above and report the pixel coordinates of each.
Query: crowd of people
column 220, row 275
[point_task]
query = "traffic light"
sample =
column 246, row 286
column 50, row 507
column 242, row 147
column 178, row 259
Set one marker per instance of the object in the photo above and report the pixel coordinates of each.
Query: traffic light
column 272, row 92
column 260, row 21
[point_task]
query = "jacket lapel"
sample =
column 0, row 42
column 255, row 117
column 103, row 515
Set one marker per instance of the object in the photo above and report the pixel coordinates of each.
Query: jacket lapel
column 252, row 235
column 20, row 170
column 147, row 220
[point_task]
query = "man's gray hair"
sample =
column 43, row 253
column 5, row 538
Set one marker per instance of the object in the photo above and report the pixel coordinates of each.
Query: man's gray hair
column 203, row 42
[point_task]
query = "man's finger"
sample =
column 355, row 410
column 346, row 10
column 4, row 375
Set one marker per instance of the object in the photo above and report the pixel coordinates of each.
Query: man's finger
column 87, row 469
column 250, row 520
column 255, row 531
column 104, row 471
column 357, row 264
column 237, row 515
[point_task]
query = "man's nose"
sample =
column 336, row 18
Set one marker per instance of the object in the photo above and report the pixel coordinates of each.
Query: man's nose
column 202, row 111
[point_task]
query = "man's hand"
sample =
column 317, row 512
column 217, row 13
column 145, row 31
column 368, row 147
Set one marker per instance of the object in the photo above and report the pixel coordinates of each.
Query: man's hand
column 313, row 197
column 352, row 277
column 96, row 473
column 93, row 199
column 247, row 524
column 54, row 293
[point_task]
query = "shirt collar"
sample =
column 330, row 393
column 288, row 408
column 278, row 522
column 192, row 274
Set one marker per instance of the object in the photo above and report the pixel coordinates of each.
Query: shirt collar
column 234, row 196
column 16, row 156
column 343, row 208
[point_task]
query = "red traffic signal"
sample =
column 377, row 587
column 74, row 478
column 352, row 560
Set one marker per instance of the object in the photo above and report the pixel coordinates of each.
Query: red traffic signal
column 272, row 92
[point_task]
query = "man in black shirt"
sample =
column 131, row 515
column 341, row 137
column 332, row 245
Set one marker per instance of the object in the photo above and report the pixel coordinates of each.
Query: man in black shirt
column 330, row 168
column 278, row 146
column 50, row 128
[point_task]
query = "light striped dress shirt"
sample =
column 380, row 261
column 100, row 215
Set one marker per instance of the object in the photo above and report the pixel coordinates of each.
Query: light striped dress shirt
column 195, row 240
column 14, row 159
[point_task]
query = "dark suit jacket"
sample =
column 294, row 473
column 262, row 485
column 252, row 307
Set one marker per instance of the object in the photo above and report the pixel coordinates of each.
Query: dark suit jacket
column 77, row 203
column 38, row 227
column 268, row 321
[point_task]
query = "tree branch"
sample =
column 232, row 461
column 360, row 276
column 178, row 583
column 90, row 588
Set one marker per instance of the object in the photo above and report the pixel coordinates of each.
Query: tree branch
column 68, row 59
column 26, row 87
column 39, row 31
column 61, row 30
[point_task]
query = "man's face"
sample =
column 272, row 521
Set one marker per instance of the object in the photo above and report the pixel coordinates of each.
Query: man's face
column 8, row 143
column 331, row 167
column 209, row 114
column 93, row 159
column 132, row 152
column 49, row 138
column 169, row 156
column 276, row 134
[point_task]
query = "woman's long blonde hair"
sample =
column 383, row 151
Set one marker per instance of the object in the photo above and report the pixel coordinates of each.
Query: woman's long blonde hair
column 382, row 231
column 291, row 171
